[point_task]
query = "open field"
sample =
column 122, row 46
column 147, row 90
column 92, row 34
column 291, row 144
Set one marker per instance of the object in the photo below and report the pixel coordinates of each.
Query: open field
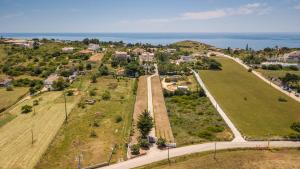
column 239, row 159
column 162, row 124
column 140, row 105
column 250, row 103
column 7, row 98
column 96, row 57
column 194, row 120
column 16, row 148
column 276, row 73
column 109, row 120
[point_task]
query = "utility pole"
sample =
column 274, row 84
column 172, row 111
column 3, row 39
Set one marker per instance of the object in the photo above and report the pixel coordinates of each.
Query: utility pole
column 215, row 153
column 79, row 165
column 66, row 108
column 31, row 136
column 169, row 155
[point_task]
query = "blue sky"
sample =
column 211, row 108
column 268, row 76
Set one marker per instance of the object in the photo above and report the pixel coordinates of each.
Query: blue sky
column 149, row 15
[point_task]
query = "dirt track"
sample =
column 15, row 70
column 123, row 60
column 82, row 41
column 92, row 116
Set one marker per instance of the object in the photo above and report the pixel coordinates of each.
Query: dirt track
column 162, row 124
column 16, row 149
column 140, row 105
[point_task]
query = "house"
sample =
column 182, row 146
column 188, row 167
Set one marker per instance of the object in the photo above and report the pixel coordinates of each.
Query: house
column 93, row 47
column 122, row 55
column 292, row 57
column 185, row 59
column 21, row 42
column 283, row 64
column 49, row 81
column 146, row 57
column 85, row 52
column 5, row 82
column 138, row 51
column 67, row 49
column 183, row 88
column 170, row 50
column 73, row 77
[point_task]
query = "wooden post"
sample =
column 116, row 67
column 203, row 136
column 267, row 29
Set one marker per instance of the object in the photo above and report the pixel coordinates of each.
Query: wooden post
column 169, row 155
column 215, row 150
column 66, row 120
column 31, row 136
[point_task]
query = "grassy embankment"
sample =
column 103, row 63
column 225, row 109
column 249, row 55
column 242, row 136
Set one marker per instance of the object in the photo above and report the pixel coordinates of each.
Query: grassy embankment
column 251, row 104
column 241, row 159
column 108, row 120
column 193, row 119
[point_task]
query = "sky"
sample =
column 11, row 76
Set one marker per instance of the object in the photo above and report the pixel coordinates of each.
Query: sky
column 149, row 16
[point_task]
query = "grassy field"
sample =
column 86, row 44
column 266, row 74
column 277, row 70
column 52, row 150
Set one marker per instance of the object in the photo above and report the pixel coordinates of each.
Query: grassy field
column 238, row 159
column 193, row 119
column 276, row 73
column 161, row 119
column 110, row 120
column 250, row 103
column 16, row 148
column 7, row 98
column 141, row 104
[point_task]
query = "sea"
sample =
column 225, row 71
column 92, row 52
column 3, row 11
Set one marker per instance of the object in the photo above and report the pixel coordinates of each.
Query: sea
column 255, row 41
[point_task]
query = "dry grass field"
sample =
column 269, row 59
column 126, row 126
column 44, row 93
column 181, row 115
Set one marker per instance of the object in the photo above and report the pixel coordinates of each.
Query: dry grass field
column 235, row 159
column 96, row 57
column 16, row 148
column 110, row 121
column 162, row 124
column 141, row 104
column 8, row 98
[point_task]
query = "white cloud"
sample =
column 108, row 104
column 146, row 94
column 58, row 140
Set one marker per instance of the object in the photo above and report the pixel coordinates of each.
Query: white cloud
column 254, row 8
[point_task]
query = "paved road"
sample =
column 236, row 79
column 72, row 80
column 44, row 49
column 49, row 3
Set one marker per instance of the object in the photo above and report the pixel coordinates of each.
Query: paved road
column 237, row 135
column 163, row 154
column 239, row 61
column 150, row 103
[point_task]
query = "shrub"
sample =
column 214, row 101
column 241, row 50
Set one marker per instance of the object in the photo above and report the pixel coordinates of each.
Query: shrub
column 215, row 129
column 94, row 79
column 9, row 88
column 135, row 149
column 161, row 143
column 250, row 70
column 145, row 123
column 296, row 126
column 93, row 134
column 118, row 119
column 92, row 93
column 106, row 95
column 35, row 102
column 70, row 93
column 26, row 109
column 144, row 143
column 205, row 134
column 281, row 99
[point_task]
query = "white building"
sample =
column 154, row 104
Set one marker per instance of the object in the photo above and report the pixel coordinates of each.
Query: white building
column 146, row 57
column 93, row 47
column 49, row 81
column 185, row 59
column 183, row 88
column 292, row 57
column 123, row 55
column 67, row 49
column 170, row 50
column 283, row 64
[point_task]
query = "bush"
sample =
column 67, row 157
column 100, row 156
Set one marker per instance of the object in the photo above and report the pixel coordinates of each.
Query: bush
column 205, row 134
column 250, row 70
column 281, row 99
column 92, row 93
column 118, row 119
column 35, row 102
column 70, row 93
column 9, row 88
column 161, row 143
column 26, row 109
column 94, row 79
column 106, row 95
column 135, row 149
column 296, row 126
column 144, row 143
column 93, row 134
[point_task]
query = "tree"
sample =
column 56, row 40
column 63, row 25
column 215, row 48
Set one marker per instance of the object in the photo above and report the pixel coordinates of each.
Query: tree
column 26, row 109
column 145, row 124
column 296, row 126
column 60, row 84
column 103, row 70
column 35, row 45
column 106, row 95
column 94, row 79
column 135, row 149
column 144, row 143
column 88, row 66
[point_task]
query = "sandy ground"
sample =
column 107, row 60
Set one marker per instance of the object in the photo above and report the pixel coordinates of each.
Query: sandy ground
column 16, row 148
column 162, row 124
column 96, row 57
column 140, row 105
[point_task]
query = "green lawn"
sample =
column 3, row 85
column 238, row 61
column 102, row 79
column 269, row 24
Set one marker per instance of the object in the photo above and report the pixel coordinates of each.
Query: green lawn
column 249, row 102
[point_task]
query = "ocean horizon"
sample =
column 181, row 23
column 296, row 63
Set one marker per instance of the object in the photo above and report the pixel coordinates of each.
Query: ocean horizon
column 255, row 41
